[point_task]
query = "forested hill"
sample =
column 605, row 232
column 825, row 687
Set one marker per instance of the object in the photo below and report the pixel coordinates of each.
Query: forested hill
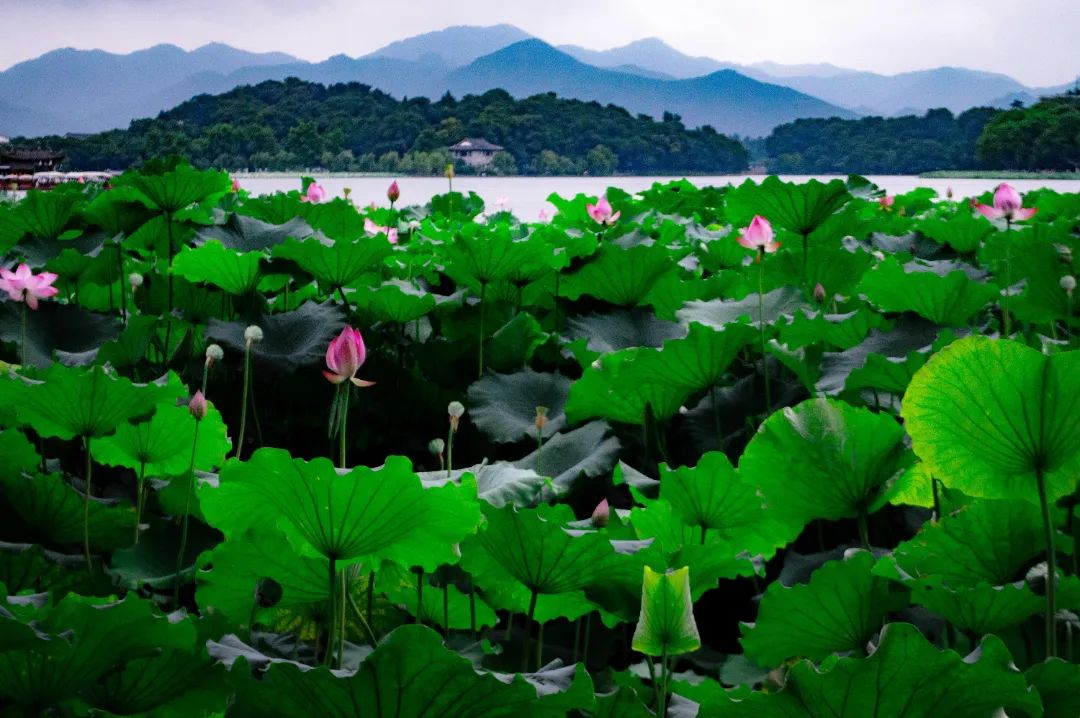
column 293, row 125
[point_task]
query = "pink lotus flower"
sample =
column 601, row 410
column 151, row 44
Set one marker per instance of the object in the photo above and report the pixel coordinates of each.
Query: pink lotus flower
column 543, row 216
column 1007, row 205
column 22, row 285
column 235, row 185
column 601, row 514
column 759, row 235
column 887, row 201
column 344, row 357
column 371, row 228
column 393, row 192
column 197, row 406
column 315, row 193
column 601, row 212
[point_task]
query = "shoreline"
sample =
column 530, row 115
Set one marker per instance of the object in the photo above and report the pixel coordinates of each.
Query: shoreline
column 999, row 174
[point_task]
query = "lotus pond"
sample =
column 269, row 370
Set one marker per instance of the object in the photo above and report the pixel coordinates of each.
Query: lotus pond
column 766, row 450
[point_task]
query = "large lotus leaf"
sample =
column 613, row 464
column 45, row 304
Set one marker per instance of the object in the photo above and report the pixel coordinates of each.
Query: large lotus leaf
column 1058, row 684
column 586, row 451
column 666, row 625
column 396, row 301
column 399, row 587
column 986, row 541
column 69, row 402
column 176, row 189
column 130, row 347
column 948, row 300
column 987, row 415
column 229, row 576
column 724, row 508
column 979, row 609
column 776, row 304
column 622, row 388
column 213, row 263
column 620, row 276
column 514, row 343
column 411, row 675
column 532, row 547
column 30, row 568
column 116, row 212
column 151, row 563
column 962, row 231
column 906, row 677
column 836, row 269
column 499, row 484
column 46, row 215
column 622, row 329
column 344, row 516
column 80, row 643
column 885, row 373
column 800, row 208
column 162, row 445
column 825, row 459
column 481, row 254
column 839, row 610
column 700, row 359
column 247, row 234
column 841, row 330
column 73, row 333
column 503, row 406
column 291, row 340
column 336, row 263
column 1033, row 258
column 673, row 290
column 909, row 334
column 147, row 684
column 52, row 512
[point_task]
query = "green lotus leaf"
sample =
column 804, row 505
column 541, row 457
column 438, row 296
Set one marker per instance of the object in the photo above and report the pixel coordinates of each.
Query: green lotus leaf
column 514, row 343
column 718, row 313
column 666, row 625
column 800, row 208
column 234, row 272
column 50, row 511
column 69, row 402
column 885, row 373
column 396, row 301
column 1033, row 258
column 411, row 675
column 962, row 231
column 46, row 215
column 17, row 454
column 909, row 334
column 151, row 563
column 399, row 586
column 118, row 212
column 80, row 643
column 905, row 677
column 27, row 567
column 347, row 517
column 588, row 450
column 130, row 347
column 175, row 189
column 839, row 610
column 988, row 415
column 979, row 609
column 619, row 276
column 336, row 264
column 825, row 459
column 499, row 484
column 948, row 300
column 161, row 446
column 1058, row 684
column 987, row 541
column 145, row 685
column 228, row 576
column 69, row 258
column 248, row 234
column 622, row 329
column 337, row 219
column 841, row 330
column 836, row 269
column 291, row 340
column 503, row 406
column 623, row 388
column 482, row 254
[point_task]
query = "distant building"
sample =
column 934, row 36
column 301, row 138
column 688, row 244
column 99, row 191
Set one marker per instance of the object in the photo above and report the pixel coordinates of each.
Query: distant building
column 28, row 161
column 4, row 140
column 476, row 152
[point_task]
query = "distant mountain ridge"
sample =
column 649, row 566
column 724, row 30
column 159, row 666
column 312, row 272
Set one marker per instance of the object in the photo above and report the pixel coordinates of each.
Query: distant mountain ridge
column 70, row 90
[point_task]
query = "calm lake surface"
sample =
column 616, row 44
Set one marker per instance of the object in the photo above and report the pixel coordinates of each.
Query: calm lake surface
column 526, row 196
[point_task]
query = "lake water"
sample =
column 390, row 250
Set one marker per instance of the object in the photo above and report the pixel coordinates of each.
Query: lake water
column 526, row 196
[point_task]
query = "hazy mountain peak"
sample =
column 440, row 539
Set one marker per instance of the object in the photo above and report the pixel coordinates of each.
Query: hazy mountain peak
column 453, row 46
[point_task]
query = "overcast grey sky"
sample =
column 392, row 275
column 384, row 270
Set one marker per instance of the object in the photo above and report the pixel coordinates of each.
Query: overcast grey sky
column 1034, row 41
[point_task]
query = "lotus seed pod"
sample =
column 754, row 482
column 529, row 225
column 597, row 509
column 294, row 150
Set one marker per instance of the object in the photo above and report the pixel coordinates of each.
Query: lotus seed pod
column 253, row 334
column 541, row 417
column 1068, row 283
column 135, row 279
column 455, row 409
column 214, row 353
column 436, row 446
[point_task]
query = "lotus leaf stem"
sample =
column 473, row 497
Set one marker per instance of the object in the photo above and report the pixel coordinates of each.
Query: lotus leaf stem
column 244, row 400
column 86, row 503
column 190, row 476
column 761, row 323
column 525, row 634
column 1051, row 564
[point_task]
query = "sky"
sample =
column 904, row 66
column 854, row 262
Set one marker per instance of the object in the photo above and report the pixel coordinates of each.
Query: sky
column 1033, row 41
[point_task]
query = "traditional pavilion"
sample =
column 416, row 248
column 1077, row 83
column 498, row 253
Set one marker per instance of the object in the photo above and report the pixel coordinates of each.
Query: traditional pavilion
column 16, row 161
column 476, row 152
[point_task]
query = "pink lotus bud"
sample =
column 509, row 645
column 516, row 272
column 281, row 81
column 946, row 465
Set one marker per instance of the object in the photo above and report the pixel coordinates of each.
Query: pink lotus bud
column 887, row 201
column 759, row 235
column 601, row 212
column 1007, row 199
column 344, row 357
column 315, row 194
column 948, row 192
column 235, row 185
column 819, row 293
column 197, row 406
column 601, row 514
column 393, row 192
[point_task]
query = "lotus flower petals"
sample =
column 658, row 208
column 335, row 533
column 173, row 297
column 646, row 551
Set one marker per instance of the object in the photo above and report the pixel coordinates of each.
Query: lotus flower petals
column 345, row 355
column 371, row 228
column 1024, row 213
column 315, row 193
column 23, row 285
column 601, row 212
column 759, row 235
column 989, row 212
column 1007, row 199
column 393, row 191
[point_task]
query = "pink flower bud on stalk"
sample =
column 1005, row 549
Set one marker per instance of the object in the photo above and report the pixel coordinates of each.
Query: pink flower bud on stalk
column 1008, row 205
column 393, row 192
column 541, row 417
column 315, row 193
column 601, row 514
column 454, row 410
column 197, row 406
column 235, row 185
column 760, row 236
column 887, row 201
column 344, row 357
column 819, row 293
column 601, row 212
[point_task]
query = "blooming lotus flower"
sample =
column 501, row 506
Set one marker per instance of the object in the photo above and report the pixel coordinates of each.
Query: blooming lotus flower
column 887, row 201
column 759, row 235
column 1007, row 205
column 393, row 192
column 601, row 514
column 344, row 357
column 371, row 228
column 543, row 216
column 22, row 285
column 235, row 185
column 315, row 193
column 601, row 212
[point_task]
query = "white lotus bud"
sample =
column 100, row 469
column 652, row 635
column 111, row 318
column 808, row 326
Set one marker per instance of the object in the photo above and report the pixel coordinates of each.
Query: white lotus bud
column 436, row 446
column 253, row 334
column 1068, row 283
column 214, row 353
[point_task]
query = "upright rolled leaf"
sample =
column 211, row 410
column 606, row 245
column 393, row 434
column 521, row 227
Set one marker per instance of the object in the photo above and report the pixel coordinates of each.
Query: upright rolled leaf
column 666, row 625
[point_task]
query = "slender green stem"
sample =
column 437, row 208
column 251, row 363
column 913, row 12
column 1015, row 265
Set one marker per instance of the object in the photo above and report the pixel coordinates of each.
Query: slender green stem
column 805, row 257
column 363, row 621
column 555, row 300
column 483, row 291
column 663, row 683
column 539, row 447
column 342, row 625
column 540, row 648
column 704, row 534
column 348, row 307
column 123, row 281
column 371, row 598
column 332, row 613
column 1008, row 278
column 937, row 498
column 472, row 610
column 169, row 290
column 344, row 423
column 450, row 451
column 446, row 608
column 716, row 416
column 864, row 529
column 22, row 342
column 190, row 476
column 420, row 596
column 525, row 634
column 588, row 634
column 1051, row 565
column 655, row 683
column 244, row 400
column 86, row 503
column 761, row 325
column 140, row 497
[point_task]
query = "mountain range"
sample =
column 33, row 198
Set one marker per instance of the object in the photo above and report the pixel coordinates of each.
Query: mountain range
column 75, row 91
